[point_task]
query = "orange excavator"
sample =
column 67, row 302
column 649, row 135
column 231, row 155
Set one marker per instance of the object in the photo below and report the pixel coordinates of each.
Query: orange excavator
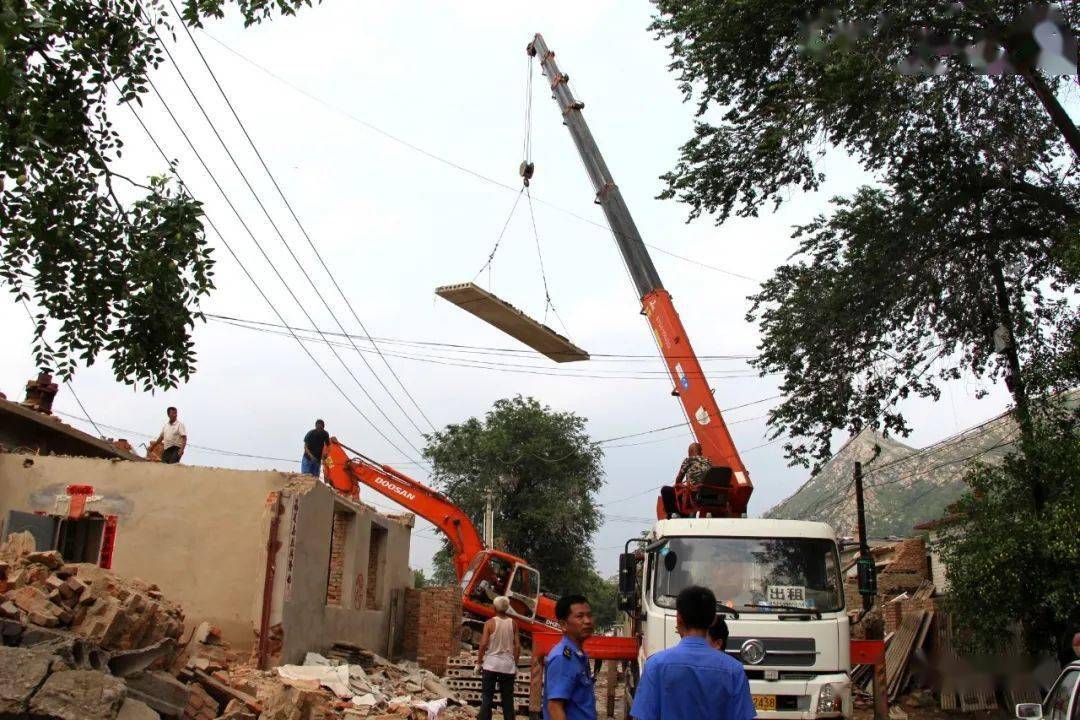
column 482, row 572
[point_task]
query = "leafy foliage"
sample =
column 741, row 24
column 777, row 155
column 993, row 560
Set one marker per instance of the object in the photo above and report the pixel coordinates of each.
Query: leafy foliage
column 118, row 266
column 420, row 580
column 897, row 288
column 543, row 472
column 1005, row 561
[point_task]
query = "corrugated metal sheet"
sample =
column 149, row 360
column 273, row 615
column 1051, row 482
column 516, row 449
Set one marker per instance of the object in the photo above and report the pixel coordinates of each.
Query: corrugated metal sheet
column 512, row 321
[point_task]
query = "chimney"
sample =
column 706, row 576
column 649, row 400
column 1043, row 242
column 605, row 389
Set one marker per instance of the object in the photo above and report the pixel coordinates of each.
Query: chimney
column 40, row 393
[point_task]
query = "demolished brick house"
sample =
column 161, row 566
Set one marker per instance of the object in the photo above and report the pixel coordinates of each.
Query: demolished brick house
column 281, row 563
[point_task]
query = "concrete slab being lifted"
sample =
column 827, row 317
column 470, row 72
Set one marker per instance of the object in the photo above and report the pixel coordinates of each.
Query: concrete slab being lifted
column 512, row 321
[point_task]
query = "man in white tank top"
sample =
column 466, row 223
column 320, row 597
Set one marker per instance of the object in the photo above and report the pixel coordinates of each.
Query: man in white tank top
column 500, row 648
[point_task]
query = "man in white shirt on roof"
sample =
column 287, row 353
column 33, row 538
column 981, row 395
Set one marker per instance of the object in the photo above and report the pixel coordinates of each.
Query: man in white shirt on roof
column 174, row 438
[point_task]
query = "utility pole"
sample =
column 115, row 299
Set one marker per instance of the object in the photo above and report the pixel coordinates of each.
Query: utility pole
column 868, row 590
column 489, row 519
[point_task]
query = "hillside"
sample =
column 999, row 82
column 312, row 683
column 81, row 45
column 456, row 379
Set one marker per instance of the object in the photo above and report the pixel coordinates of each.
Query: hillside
column 904, row 485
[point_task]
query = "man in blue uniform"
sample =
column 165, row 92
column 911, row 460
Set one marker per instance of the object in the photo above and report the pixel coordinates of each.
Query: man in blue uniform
column 568, row 684
column 692, row 681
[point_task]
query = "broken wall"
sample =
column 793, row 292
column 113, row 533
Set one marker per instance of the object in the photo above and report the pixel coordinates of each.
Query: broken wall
column 194, row 531
column 340, row 572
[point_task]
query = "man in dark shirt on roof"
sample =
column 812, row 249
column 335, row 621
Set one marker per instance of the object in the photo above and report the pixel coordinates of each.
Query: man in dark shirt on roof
column 314, row 442
column 692, row 681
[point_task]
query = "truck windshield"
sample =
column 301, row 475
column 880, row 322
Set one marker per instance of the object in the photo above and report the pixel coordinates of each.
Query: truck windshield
column 754, row 572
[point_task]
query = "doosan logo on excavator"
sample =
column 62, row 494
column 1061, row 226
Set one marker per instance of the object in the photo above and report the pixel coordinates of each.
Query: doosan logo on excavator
column 397, row 490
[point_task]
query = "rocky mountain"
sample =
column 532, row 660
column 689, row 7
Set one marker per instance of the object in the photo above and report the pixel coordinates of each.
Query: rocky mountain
column 903, row 485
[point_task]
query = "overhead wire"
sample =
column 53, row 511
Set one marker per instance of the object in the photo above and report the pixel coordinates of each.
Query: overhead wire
column 458, row 166
column 485, row 350
column 303, row 230
column 523, row 369
column 258, row 245
column 67, row 382
column 236, row 257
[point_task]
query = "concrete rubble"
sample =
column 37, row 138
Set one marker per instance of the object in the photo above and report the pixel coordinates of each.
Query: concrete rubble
column 77, row 641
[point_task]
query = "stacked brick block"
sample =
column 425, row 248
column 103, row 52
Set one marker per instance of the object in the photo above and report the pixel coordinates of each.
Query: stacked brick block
column 338, row 534
column 432, row 626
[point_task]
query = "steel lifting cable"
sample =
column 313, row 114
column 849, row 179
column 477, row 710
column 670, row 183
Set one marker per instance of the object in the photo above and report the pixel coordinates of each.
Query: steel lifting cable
column 527, row 170
column 495, row 248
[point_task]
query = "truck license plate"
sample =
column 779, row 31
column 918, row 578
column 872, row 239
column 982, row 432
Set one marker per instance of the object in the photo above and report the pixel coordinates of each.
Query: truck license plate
column 765, row 702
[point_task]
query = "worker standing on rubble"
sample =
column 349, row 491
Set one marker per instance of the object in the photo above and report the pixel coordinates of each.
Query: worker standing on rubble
column 500, row 649
column 314, row 442
column 692, row 681
column 568, row 683
column 173, row 438
column 692, row 472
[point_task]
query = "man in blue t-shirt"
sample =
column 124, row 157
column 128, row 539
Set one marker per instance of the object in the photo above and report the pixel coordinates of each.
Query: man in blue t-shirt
column 692, row 681
column 568, row 684
column 314, row 442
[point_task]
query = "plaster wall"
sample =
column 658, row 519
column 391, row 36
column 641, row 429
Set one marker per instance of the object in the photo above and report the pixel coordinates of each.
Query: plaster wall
column 303, row 568
column 197, row 532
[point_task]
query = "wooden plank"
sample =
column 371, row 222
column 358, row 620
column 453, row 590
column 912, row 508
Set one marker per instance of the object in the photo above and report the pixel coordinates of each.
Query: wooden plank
column 512, row 321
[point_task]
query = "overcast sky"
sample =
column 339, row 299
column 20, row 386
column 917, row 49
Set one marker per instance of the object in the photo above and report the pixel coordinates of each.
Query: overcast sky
column 393, row 222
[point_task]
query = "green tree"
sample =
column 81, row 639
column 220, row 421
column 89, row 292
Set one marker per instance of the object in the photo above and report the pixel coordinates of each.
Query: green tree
column 1005, row 562
column 969, row 226
column 603, row 599
column 543, row 472
column 420, row 580
column 117, row 265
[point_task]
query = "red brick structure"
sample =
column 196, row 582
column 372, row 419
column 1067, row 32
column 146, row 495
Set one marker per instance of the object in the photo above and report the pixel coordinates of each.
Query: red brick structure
column 908, row 569
column 432, row 626
column 339, row 532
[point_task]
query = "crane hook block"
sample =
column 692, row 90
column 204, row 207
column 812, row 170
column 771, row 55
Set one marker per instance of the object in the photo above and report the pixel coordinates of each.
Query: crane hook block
column 526, row 171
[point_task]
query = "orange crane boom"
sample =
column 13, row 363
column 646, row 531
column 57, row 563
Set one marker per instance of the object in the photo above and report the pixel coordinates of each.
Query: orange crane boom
column 690, row 386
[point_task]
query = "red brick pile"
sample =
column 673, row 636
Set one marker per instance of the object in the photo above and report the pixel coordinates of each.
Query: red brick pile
column 110, row 611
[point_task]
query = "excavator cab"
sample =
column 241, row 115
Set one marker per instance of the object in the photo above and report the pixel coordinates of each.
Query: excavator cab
column 493, row 573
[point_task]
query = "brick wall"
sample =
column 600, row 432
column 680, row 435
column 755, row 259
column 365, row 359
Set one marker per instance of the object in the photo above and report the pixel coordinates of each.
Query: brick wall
column 335, row 581
column 432, row 626
column 894, row 614
column 910, row 558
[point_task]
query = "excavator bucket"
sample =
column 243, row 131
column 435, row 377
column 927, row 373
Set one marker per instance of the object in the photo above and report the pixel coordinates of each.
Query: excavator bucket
column 512, row 321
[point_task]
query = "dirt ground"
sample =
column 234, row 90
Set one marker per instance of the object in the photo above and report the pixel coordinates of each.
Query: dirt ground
column 926, row 708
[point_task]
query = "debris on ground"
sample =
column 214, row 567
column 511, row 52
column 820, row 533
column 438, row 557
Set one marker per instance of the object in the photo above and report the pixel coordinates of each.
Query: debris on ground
column 82, row 643
column 105, row 609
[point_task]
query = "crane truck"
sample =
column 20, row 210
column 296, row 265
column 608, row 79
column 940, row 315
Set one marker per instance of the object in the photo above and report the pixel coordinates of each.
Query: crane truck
column 778, row 582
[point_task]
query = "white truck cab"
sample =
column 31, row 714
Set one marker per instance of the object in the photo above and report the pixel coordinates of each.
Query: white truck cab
column 778, row 583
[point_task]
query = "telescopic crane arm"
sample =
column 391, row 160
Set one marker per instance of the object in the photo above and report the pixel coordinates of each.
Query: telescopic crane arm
column 690, row 384
column 346, row 474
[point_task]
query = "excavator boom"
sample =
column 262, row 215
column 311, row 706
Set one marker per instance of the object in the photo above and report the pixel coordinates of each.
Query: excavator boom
column 691, row 387
column 346, row 474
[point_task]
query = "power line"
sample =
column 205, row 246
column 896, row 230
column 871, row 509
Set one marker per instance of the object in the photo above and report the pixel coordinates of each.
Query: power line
column 270, row 219
column 458, row 166
column 517, row 368
column 481, row 349
column 281, row 194
column 235, row 257
column 67, row 383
